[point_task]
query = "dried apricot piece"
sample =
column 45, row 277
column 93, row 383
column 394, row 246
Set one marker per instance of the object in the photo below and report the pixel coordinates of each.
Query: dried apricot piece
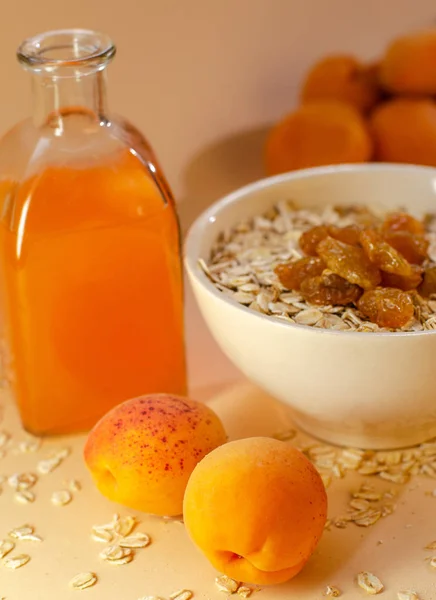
column 349, row 262
column 310, row 239
column 291, row 275
column 413, row 247
column 383, row 255
column 329, row 288
column 400, row 221
column 387, row 307
column 428, row 285
column 402, row 282
column 348, row 235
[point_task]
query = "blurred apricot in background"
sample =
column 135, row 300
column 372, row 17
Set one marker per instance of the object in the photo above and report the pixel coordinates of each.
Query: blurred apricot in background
column 409, row 65
column 318, row 133
column 404, row 130
column 343, row 78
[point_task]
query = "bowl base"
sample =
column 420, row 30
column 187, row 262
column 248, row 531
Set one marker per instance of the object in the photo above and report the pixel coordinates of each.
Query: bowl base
column 381, row 440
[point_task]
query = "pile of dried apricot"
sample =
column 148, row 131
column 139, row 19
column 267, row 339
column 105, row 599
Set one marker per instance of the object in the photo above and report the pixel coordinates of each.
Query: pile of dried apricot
column 355, row 112
column 377, row 267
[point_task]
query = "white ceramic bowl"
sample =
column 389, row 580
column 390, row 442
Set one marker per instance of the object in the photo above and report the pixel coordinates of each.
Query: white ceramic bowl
column 370, row 390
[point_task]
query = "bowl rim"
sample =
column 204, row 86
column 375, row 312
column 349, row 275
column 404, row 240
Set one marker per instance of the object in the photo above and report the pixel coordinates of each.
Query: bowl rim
column 194, row 235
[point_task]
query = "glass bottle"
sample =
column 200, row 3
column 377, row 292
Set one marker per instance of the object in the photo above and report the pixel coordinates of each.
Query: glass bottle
column 90, row 266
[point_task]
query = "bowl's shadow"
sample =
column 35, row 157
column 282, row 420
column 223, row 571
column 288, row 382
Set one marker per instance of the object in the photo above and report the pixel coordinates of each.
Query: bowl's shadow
column 219, row 169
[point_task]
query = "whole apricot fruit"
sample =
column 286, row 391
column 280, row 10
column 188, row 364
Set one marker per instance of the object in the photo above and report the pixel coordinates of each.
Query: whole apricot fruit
column 257, row 508
column 142, row 452
column 343, row 78
column 409, row 64
column 318, row 133
column 404, row 131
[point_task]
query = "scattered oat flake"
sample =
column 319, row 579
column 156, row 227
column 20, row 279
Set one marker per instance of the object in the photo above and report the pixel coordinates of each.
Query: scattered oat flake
column 407, row 595
column 48, row 465
column 368, row 519
column 117, row 555
column 433, row 562
column 61, row 453
column 74, row 485
column 6, row 546
column 136, row 540
column 100, row 534
column 431, row 546
column 340, row 523
column 17, row 561
column 332, row 591
column 83, row 581
column 369, row 582
column 61, row 498
column 244, row 591
column 24, row 497
column 359, row 504
column 19, row 532
column 125, row 525
column 181, row 595
column 22, row 481
column 370, row 496
column 29, row 446
column 226, row 584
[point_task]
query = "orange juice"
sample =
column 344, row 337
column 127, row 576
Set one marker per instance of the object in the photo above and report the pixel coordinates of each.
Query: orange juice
column 92, row 288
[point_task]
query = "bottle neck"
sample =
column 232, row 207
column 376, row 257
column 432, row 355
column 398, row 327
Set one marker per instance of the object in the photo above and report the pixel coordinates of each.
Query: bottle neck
column 55, row 98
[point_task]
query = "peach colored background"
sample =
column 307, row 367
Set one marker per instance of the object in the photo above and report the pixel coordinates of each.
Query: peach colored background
column 203, row 79
column 198, row 76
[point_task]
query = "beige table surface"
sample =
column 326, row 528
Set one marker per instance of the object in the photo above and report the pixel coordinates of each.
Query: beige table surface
column 393, row 548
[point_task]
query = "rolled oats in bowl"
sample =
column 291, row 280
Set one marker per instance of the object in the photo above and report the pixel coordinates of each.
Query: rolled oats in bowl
column 345, row 268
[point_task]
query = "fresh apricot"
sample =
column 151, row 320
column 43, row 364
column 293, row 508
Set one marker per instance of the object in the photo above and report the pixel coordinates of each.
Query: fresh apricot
column 256, row 507
column 318, row 133
column 143, row 451
column 409, row 64
column 404, row 131
column 343, row 78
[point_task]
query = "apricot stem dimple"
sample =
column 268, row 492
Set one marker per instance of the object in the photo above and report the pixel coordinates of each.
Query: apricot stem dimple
column 229, row 556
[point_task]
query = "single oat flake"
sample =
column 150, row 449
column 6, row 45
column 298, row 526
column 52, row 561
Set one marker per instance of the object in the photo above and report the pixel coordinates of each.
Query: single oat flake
column 83, row 581
column 332, row 591
column 181, row 595
column 117, row 555
column 6, row 546
column 124, row 525
column 24, row 497
column 226, row 584
column 433, row 562
column 136, row 540
column 244, row 591
column 22, row 481
column 17, row 561
column 29, row 446
column 19, row 532
column 407, row 595
column 48, row 465
column 61, row 498
column 100, row 534
column 431, row 546
column 369, row 582
column 74, row 485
